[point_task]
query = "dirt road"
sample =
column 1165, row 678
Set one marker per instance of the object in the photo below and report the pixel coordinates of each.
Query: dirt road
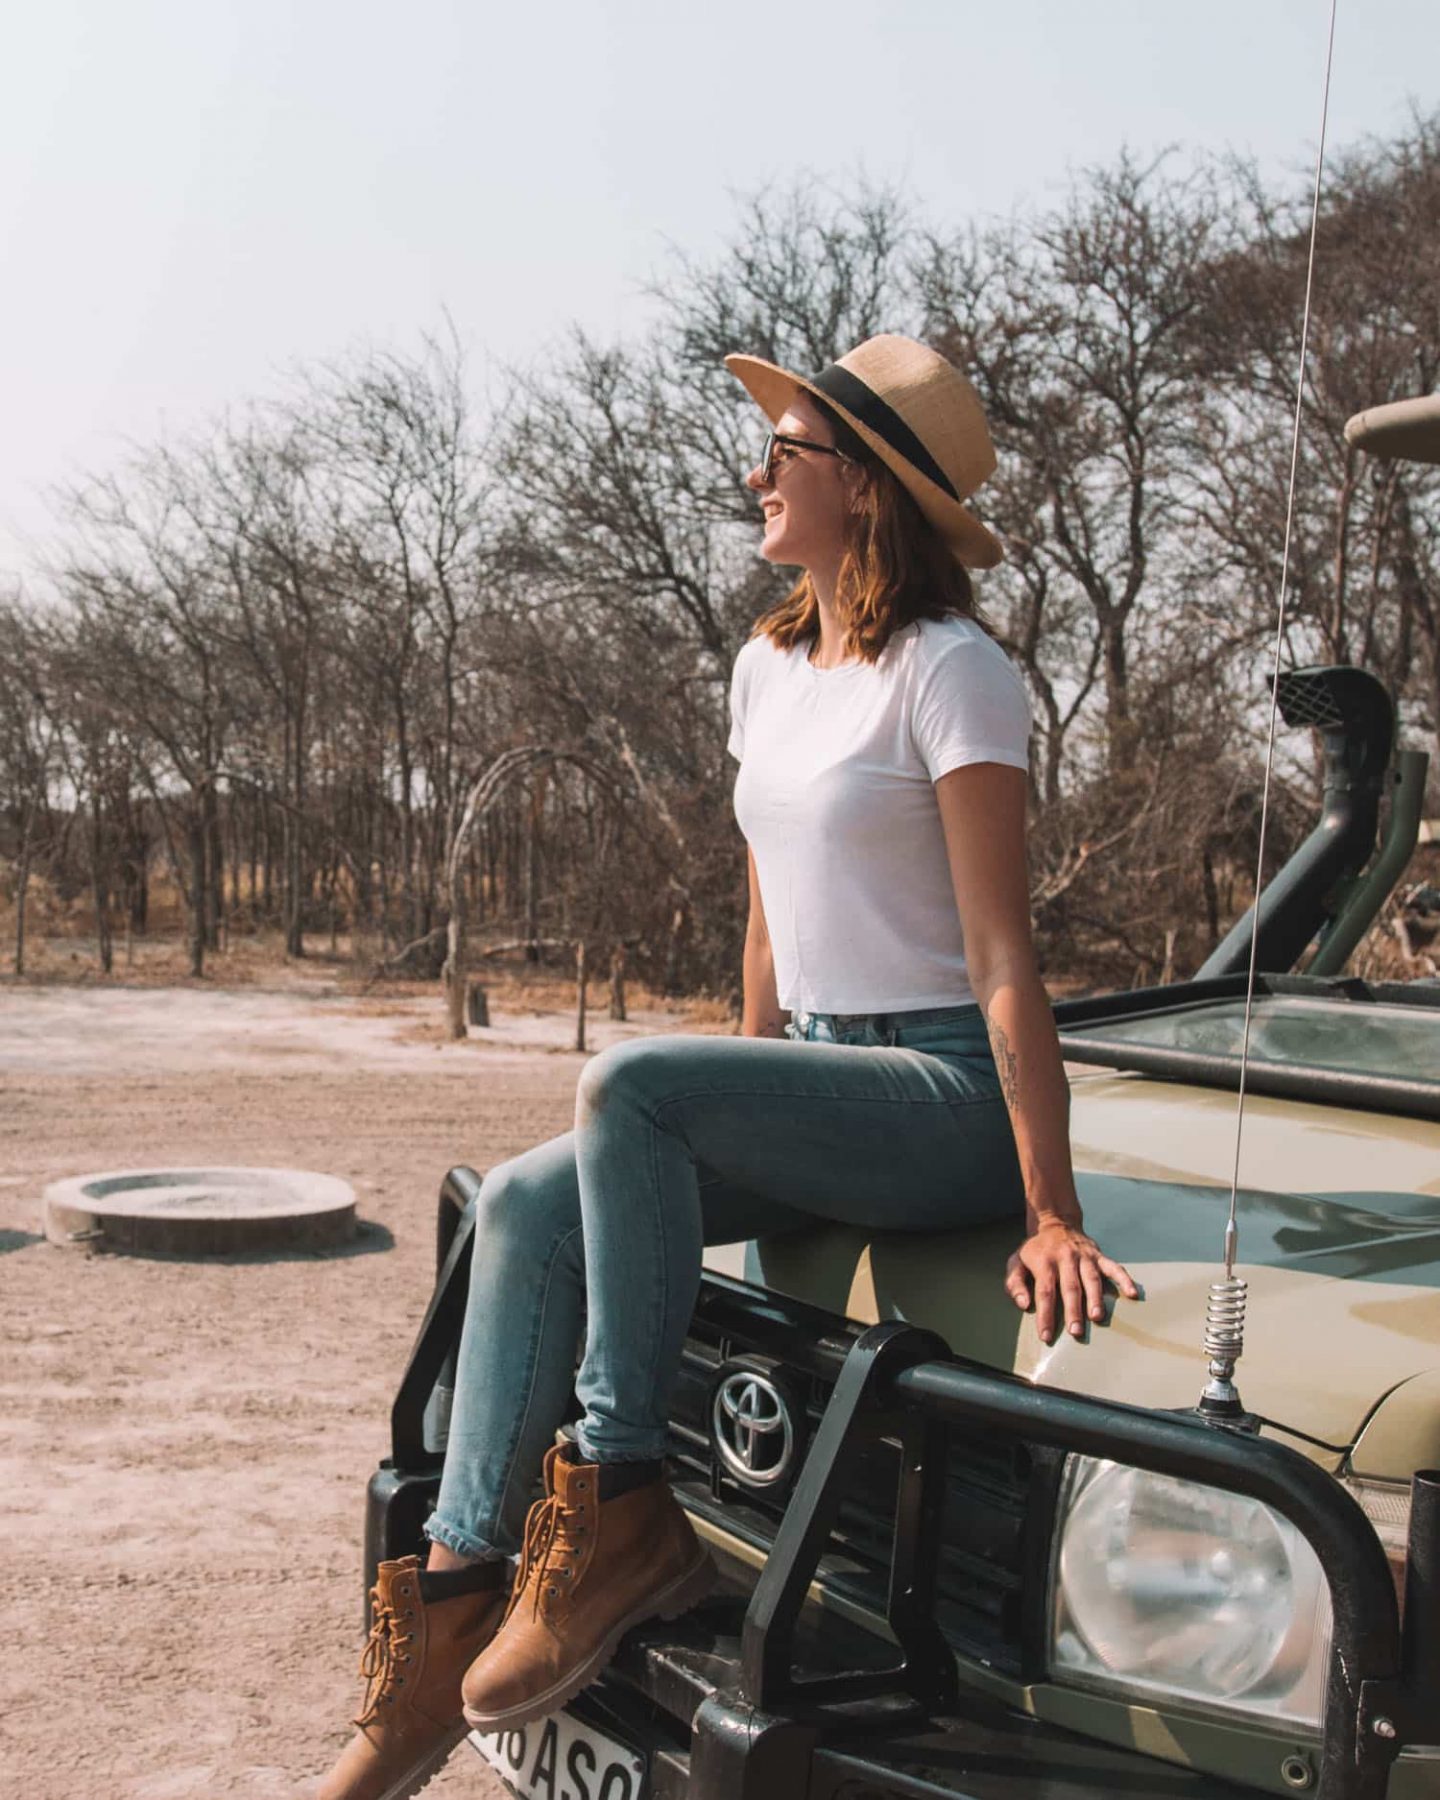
column 184, row 1445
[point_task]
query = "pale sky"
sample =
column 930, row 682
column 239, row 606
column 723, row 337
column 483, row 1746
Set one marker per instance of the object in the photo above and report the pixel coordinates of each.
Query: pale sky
column 197, row 194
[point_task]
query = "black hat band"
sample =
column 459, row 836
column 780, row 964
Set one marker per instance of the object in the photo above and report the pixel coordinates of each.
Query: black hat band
column 864, row 404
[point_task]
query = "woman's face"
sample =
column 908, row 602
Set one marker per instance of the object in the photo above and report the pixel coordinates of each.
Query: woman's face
column 808, row 496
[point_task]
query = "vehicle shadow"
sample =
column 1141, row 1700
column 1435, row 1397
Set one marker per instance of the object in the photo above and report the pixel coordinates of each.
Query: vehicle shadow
column 370, row 1239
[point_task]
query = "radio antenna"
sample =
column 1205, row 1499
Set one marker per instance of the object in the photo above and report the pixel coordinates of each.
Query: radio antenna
column 1225, row 1309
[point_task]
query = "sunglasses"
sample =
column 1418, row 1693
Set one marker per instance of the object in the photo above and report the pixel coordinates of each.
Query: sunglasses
column 779, row 449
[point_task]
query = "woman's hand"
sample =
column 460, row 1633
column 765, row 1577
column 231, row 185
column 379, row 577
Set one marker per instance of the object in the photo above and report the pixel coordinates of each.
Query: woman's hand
column 1061, row 1261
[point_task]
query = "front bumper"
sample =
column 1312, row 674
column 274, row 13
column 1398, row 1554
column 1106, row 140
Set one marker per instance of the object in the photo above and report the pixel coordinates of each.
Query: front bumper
column 676, row 1692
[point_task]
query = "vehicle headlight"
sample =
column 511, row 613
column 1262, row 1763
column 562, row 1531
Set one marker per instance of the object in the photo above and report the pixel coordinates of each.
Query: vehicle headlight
column 1165, row 1589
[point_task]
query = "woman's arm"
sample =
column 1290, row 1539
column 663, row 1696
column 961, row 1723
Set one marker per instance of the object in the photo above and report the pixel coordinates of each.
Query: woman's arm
column 982, row 809
column 761, row 1014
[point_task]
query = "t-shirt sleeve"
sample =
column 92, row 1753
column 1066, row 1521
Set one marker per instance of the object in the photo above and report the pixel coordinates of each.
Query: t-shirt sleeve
column 739, row 687
column 971, row 707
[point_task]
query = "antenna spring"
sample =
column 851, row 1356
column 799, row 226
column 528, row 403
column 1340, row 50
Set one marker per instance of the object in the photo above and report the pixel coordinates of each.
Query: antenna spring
column 1224, row 1342
column 1225, row 1321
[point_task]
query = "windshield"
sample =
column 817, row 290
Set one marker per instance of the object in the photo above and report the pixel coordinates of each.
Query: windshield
column 1360, row 1039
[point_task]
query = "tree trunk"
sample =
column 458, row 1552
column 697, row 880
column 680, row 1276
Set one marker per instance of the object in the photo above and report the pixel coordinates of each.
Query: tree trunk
column 22, row 886
column 1212, row 899
column 1119, row 726
column 300, row 874
column 1052, row 759
column 380, row 896
column 405, row 863
column 532, row 880
column 294, row 891
column 474, row 858
column 214, row 870
column 196, row 833
column 617, row 982
column 512, row 857
column 670, row 980
column 267, row 879
column 98, row 890
column 457, row 944
column 138, row 860
column 580, row 995
column 253, row 804
column 134, row 868
column 488, row 847
column 235, row 857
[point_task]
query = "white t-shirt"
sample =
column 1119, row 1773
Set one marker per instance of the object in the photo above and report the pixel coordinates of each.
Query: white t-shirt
column 836, row 798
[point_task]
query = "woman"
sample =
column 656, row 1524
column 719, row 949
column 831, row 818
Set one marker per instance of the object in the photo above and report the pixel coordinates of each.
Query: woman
column 897, row 1069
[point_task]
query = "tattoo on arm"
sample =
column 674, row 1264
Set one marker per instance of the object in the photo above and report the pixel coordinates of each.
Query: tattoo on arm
column 1006, row 1065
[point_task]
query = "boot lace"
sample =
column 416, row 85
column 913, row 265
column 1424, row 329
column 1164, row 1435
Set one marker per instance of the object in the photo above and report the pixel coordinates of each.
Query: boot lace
column 552, row 1531
column 384, row 1650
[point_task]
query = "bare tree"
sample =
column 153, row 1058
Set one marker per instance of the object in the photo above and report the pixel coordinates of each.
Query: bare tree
column 1364, row 583
column 410, row 474
column 1077, row 328
column 296, row 652
column 31, row 747
column 148, row 600
column 483, row 793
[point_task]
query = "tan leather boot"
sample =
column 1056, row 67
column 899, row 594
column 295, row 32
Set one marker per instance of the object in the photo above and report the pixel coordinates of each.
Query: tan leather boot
column 591, row 1569
column 417, row 1651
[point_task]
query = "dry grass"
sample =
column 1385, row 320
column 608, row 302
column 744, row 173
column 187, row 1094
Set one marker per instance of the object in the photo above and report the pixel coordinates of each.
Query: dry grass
column 161, row 959
column 61, row 950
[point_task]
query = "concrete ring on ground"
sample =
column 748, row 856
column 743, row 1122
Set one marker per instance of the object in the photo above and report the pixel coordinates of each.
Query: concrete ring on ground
column 200, row 1212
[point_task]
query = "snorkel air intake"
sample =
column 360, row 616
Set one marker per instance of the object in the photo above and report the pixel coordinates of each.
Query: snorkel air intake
column 1356, row 718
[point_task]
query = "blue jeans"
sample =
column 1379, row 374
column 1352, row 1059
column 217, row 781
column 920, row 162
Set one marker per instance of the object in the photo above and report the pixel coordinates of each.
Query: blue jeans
column 890, row 1122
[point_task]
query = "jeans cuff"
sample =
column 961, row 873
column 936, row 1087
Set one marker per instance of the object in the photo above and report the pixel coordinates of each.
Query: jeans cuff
column 461, row 1542
column 652, row 1452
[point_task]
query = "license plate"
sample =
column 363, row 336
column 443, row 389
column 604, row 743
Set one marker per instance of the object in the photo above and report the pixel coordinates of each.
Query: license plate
column 562, row 1758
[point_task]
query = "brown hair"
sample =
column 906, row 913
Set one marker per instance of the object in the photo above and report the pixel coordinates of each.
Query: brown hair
column 895, row 568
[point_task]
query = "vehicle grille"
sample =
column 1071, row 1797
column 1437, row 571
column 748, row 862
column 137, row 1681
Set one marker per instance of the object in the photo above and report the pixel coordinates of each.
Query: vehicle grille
column 990, row 1520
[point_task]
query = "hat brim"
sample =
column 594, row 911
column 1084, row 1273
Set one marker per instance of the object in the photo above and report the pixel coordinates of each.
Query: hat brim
column 773, row 388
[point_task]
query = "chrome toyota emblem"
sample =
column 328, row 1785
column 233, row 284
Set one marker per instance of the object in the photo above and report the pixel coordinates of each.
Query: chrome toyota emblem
column 753, row 1433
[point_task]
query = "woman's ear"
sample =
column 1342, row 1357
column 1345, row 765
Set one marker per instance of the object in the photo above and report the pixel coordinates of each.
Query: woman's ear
column 857, row 481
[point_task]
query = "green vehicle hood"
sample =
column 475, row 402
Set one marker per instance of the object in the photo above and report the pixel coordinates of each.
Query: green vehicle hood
column 1339, row 1223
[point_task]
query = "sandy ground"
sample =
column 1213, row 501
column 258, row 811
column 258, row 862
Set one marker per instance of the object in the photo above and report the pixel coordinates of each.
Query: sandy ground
column 184, row 1445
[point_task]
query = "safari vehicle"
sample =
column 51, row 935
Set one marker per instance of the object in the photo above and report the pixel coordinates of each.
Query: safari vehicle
column 959, row 1562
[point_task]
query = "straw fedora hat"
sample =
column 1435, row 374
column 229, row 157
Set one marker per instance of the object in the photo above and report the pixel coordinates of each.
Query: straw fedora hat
column 919, row 415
